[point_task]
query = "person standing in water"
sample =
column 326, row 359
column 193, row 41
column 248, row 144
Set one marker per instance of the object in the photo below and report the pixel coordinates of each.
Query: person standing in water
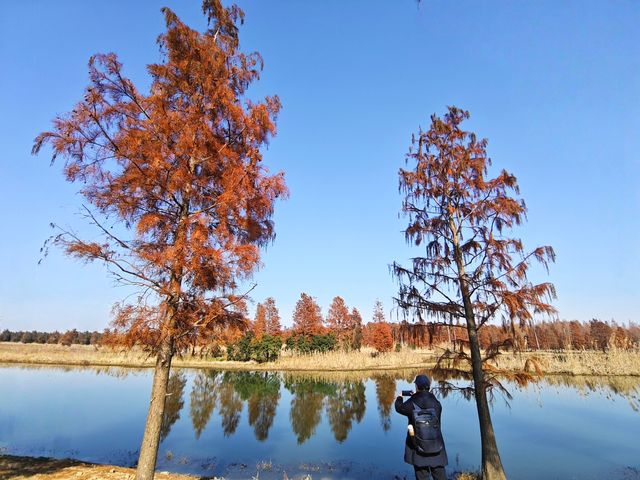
column 424, row 445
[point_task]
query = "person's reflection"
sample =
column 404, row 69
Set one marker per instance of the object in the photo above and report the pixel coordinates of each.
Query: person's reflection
column 173, row 403
column 348, row 403
column 203, row 399
column 386, row 395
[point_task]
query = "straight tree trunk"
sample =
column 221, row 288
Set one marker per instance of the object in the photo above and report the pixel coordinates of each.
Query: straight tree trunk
column 492, row 468
column 151, row 440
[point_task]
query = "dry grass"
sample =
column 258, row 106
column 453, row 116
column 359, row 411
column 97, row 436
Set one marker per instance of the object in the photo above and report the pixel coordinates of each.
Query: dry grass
column 87, row 355
column 23, row 468
column 365, row 359
column 613, row 363
column 467, row 476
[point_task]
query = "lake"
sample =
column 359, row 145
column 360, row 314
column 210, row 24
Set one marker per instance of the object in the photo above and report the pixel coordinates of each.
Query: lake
column 327, row 425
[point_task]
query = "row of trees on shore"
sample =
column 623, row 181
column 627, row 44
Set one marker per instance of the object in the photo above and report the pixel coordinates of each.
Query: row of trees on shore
column 546, row 335
column 70, row 337
column 347, row 332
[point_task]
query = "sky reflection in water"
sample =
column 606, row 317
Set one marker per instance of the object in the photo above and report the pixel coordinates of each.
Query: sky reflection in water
column 327, row 425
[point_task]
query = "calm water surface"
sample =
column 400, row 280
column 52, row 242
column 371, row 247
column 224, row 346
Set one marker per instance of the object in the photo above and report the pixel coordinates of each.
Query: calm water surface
column 326, row 425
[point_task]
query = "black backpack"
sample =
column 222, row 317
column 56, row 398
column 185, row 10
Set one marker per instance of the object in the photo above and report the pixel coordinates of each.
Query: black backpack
column 427, row 438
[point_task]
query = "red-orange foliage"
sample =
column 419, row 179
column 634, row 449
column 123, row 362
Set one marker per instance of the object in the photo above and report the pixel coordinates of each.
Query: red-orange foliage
column 259, row 325
column 307, row 318
column 338, row 315
column 179, row 170
column 471, row 269
column 378, row 335
column 461, row 215
column 601, row 333
column 272, row 317
column 338, row 321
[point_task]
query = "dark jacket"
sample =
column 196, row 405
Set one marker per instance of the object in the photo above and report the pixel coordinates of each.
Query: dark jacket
column 422, row 400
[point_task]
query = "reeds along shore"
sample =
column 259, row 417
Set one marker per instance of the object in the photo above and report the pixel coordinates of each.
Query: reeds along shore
column 610, row 363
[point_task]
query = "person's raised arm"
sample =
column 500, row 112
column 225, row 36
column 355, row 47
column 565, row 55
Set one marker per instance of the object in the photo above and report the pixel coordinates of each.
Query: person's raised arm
column 402, row 407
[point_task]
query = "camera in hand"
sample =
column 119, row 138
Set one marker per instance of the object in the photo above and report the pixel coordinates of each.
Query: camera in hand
column 407, row 393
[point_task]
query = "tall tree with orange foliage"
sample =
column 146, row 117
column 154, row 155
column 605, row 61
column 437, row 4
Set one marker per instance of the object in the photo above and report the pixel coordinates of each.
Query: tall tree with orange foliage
column 471, row 269
column 272, row 317
column 179, row 170
column 337, row 321
column 338, row 315
column 259, row 326
column 307, row 317
column 379, row 335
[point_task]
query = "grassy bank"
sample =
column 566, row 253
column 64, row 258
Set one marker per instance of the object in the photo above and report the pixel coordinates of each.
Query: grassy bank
column 614, row 362
column 41, row 468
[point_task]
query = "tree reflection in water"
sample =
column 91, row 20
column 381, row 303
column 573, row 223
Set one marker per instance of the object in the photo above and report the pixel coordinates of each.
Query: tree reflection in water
column 173, row 403
column 306, row 405
column 229, row 404
column 204, row 395
column 261, row 391
column 343, row 406
column 386, row 395
column 341, row 396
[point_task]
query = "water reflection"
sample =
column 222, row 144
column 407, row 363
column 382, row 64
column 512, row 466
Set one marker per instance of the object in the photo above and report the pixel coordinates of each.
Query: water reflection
column 306, row 404
column 261, row 391
column 204, row 395
column 346, row 404
column 173, row 403
column 385, row 394
column 340, row 395
column 230, row 404
column 216, row 419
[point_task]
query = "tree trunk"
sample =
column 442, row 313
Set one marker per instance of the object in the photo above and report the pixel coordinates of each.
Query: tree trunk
column 151, row 440
column 492, row 468
column 491, row 463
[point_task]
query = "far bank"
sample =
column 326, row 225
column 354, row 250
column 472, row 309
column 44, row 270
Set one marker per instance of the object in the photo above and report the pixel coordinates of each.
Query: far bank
column 612, row 362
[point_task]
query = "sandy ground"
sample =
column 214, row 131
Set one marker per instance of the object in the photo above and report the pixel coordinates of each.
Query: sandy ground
column 40, row 468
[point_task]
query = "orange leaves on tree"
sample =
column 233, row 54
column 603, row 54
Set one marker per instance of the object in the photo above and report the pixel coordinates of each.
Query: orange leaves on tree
column 307, row 317
column 462, row 214
column 471, row 268
column 259, row 326
column 180, row 168
column 379, row 336
column 272, row 315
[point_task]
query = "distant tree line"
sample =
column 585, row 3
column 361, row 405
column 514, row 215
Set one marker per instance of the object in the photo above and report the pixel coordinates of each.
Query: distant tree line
column 264, row 338
column 548, row 335
column 70, row 337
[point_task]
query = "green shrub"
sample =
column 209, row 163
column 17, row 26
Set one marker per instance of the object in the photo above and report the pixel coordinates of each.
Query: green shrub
column 312, row 343
column 267, row 349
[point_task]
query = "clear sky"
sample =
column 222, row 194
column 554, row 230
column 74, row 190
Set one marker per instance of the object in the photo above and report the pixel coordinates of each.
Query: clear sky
column 554, row 86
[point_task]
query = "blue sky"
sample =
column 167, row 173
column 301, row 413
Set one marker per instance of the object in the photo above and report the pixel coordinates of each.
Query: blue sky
column 554, row 86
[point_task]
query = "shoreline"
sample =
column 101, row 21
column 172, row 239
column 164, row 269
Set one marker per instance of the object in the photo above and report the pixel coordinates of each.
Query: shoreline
column 21, row 467
column 46, row 468
column 574, row 363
